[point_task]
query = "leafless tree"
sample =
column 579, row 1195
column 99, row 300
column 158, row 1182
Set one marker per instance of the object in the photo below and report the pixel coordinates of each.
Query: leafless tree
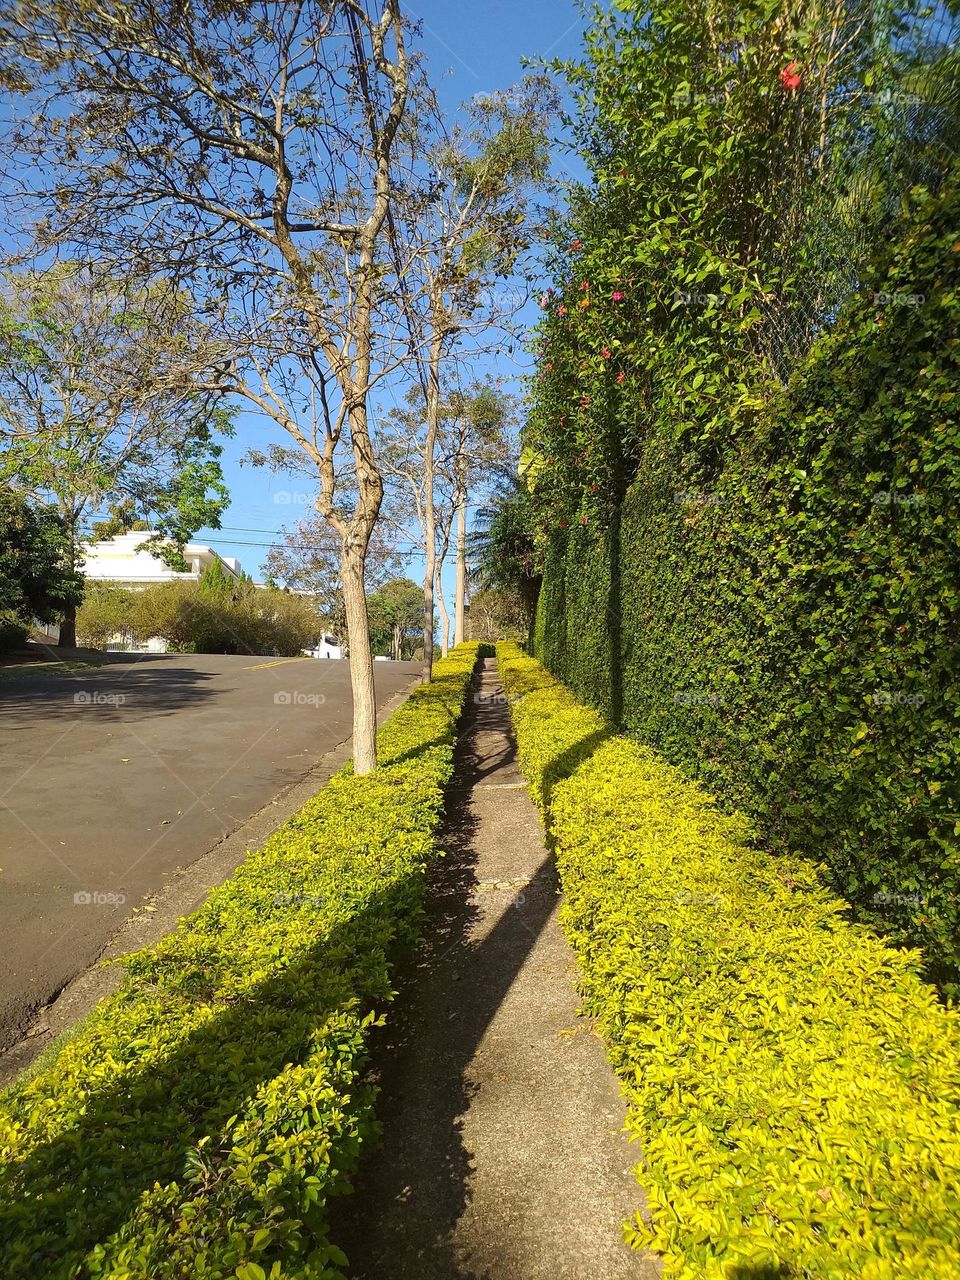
column 248, row 151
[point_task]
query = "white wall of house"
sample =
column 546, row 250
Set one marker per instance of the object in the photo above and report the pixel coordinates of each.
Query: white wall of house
column 119, row 560
column 327, row 648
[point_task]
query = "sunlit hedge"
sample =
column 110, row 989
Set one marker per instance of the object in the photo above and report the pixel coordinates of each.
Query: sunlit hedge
column 201, row 1119
column 794, row 1086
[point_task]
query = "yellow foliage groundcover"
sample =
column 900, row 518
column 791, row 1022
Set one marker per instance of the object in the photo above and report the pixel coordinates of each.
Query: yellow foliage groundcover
column 793, row 1084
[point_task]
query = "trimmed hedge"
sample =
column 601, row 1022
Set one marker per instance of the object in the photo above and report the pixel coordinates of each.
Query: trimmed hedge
column 775, row 603
column 201, row 1119
column 795, row 1086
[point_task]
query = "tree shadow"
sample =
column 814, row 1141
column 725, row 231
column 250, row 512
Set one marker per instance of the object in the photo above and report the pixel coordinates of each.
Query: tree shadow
column 406, row 1208
column 108, row 693
column 132, row 1132
column 75, row 1190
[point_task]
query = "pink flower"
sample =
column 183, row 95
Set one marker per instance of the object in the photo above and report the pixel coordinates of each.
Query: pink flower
column 545, row 300
column 561, row 310
column 617, row 296
column 605, row 352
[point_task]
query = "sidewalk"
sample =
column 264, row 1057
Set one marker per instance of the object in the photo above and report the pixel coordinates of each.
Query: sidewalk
column 502, row 1156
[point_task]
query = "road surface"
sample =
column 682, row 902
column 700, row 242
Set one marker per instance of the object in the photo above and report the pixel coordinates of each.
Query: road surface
column 113, row 778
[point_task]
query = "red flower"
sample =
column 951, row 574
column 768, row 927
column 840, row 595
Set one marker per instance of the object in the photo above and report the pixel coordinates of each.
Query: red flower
column 561, row 310
column 585, row 285
column 549, row 364
column 617, row 296
column 790, row 78
column 621, row 376
column 605, row 352
column 574, row 245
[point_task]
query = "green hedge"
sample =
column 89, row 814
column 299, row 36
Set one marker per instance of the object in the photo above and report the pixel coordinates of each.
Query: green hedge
column 201, row 1119
column 775, row 603
column 794, row 1086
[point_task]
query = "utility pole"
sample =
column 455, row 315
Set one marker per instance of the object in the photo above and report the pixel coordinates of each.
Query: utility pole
column 459, row 610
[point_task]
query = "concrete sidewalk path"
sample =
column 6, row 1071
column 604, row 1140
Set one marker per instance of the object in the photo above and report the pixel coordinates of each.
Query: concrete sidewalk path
column 503, row 1156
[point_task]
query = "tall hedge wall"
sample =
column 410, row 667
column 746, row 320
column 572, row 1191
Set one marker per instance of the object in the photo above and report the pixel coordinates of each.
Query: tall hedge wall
column 775, row 607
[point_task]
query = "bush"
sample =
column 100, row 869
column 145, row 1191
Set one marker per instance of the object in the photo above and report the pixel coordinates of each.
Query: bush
column 107, row 611
column 244, row 619
column 201, row 1119
column 792, row 1081
column 13, row 633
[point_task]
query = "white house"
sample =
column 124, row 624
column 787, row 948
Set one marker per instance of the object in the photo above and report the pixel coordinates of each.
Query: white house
column 119, row 561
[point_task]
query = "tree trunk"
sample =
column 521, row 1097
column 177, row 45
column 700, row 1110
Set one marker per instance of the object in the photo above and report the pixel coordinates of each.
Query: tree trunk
column 361, row 660
column 68, row 621
column 68, row 628
column 444, row 616
column 460, row 605
column 429, row 511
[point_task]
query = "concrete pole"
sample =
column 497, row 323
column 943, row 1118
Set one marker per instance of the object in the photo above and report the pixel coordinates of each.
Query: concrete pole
column 459, row 610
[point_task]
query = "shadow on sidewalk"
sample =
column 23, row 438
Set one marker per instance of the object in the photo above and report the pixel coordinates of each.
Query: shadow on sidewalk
column 412, row 1192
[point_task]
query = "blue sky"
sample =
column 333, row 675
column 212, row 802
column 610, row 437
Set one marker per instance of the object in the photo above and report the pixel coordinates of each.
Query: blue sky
column 471, row 49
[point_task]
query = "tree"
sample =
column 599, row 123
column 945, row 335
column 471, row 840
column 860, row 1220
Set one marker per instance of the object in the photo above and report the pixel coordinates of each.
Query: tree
column 100, row 401
column 469, row 444
column 395, row 614
column 308, row 559
column 465, row 232
column 37, row 578
column 503, row 546
column 248, row 148
column 214, row 582
column 498, row 615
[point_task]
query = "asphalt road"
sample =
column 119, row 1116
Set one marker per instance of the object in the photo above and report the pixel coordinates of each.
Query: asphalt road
column 112, row 779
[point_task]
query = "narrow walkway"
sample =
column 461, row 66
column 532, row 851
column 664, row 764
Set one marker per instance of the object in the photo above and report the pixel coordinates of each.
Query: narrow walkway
column 502, row 1156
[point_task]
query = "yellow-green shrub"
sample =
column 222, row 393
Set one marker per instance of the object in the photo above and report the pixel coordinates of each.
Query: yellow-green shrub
column 199, row 1122
column 794, row 1084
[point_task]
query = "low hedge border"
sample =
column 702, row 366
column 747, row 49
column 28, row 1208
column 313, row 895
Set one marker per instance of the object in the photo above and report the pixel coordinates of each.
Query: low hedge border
column 794, row 1083
column 202, row 1118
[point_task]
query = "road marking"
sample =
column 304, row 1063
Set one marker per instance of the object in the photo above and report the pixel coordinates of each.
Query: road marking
column 279, row 662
